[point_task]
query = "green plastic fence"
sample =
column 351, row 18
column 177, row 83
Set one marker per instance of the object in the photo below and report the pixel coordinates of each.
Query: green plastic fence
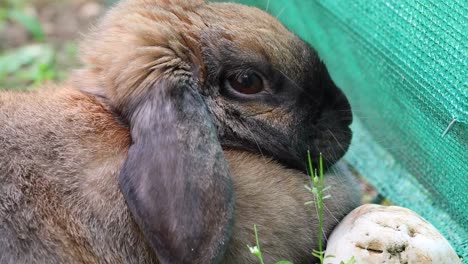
column 403, row 64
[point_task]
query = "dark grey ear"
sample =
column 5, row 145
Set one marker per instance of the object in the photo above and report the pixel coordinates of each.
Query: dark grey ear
column 176, row 180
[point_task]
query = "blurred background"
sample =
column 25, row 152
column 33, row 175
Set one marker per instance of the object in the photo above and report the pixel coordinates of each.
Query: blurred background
column 39, row 37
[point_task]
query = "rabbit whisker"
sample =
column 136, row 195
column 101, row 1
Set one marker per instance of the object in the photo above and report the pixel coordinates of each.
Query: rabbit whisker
column 297, row 86
column 255, row 140
column 334, row 137
column 330, row 212
column 281, row 12
column 335, row 171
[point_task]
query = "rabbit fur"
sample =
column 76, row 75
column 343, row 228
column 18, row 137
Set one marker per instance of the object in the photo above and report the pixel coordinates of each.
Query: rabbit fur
column 148, row 155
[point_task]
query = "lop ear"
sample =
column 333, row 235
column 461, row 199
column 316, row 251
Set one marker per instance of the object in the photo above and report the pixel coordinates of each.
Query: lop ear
column 176, row 180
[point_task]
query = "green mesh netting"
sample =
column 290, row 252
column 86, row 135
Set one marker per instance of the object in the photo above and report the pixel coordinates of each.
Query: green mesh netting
column 403, row 64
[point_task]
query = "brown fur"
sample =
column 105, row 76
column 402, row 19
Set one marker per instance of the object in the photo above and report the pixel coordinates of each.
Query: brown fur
column 60, row 201
column 62, row 149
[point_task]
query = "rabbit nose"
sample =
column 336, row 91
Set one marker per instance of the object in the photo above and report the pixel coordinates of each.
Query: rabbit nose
column 338, row 104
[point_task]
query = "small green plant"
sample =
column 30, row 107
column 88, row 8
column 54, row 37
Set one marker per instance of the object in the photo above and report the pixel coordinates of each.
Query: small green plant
column 13, row 10
column 256, row 250
column 318, row 189
column 351, row 261
column 30, row 65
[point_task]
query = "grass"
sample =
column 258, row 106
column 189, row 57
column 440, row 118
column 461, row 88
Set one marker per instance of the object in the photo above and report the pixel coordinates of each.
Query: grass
column 35, row 61
column 256, row 250
column 29, row 65
column 317, row 189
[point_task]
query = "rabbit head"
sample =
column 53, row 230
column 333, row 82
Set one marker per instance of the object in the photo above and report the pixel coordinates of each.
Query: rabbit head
column 189, row 78
column 266, row 89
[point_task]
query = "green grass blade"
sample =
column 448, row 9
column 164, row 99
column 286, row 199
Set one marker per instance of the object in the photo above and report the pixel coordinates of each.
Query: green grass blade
column 31, row 24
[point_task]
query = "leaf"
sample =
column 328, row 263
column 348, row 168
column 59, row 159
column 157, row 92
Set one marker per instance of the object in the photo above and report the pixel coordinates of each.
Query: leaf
column 314, row 191
column 31, row 23
column 317, row 254
column 284, row 262
column 352, row 260
column 12, row 61
column 33, row 64
column 3, row 14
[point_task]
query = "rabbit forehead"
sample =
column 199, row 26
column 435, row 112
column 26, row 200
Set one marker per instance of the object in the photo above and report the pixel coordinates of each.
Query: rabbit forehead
column 140, row 41
column 253, row 30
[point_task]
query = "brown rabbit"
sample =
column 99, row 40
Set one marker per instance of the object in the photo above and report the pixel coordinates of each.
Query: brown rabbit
column 166, row 147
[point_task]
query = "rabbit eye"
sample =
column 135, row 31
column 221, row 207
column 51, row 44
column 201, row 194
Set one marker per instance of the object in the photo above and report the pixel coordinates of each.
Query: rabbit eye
column 247, row 83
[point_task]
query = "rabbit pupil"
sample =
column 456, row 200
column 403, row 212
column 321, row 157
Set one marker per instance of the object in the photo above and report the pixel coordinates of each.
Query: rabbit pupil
column 247, row 83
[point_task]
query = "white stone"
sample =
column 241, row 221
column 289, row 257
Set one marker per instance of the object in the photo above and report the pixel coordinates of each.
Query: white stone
column 388, row 234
